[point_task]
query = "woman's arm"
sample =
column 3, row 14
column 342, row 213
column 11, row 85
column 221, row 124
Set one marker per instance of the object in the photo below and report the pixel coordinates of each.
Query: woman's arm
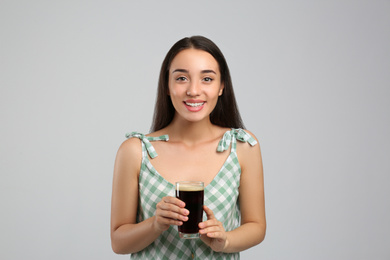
column 252, row 204
column 125, row 232
column 253, row 223
column 128, row 236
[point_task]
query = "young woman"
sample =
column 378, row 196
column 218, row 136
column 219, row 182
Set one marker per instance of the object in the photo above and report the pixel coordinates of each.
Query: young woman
column 197, row 134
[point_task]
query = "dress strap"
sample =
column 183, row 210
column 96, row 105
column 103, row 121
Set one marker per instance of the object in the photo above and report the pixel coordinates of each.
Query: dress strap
column 231, row 136
column 146, row 141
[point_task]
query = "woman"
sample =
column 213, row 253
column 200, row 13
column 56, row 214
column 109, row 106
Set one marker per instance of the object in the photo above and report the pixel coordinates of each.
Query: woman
column 197, row 134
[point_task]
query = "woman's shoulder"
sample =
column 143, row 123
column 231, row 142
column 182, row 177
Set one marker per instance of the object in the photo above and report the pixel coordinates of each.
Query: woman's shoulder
column 251, row 134
column 130, row 148
column 249, row 146
column 128, row 159
column 248, row 154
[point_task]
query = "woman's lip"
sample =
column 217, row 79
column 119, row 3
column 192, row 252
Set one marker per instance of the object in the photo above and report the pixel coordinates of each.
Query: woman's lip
column 194, row 108
column 194, row 101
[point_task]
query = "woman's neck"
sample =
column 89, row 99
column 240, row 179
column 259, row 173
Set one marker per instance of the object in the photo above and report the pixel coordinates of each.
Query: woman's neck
column 192, row 133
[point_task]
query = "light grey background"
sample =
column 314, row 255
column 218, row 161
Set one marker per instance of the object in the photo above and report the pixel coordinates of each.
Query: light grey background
column 312, row 82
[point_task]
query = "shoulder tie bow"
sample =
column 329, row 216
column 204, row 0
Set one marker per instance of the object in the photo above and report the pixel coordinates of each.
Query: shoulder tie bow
column 239, row 134
column 146, row 140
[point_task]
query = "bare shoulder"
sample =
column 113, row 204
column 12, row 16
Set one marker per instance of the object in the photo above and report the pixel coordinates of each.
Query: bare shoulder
column 245, row 146
column 131, row 146
column 130, row 153
column 247, row 153
column 251, row 134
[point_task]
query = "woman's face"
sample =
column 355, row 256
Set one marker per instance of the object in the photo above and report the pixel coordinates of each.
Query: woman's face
column 194, row 84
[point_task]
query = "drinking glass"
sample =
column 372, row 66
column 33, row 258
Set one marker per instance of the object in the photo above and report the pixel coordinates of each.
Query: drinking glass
column 191, row 193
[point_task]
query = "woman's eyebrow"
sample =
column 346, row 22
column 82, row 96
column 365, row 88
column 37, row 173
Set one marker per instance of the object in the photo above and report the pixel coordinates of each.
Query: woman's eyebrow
column 180, row 70
column 186, row 71
column 208, row 71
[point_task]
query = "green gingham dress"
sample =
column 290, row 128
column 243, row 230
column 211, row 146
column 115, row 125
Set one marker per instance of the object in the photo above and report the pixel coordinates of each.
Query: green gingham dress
column 221, row 196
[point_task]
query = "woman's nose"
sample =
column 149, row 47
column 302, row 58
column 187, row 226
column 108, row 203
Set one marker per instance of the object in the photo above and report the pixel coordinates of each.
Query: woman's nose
column 193, row 89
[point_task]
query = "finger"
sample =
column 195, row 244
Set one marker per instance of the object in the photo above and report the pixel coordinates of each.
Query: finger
column 210, row 229
column 173, row 200
column 172, row 208
column 167, row 221
column 168, row 214
column 209, row 223
column 217, row 235
column 209, row 212
column 167, row 205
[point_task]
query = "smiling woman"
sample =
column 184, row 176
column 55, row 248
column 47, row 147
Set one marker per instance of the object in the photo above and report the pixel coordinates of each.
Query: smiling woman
column 196, row 121
column 225, row 112
column 195, row 84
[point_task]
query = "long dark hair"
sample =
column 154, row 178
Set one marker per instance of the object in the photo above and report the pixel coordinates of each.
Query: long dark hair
column 225, row 113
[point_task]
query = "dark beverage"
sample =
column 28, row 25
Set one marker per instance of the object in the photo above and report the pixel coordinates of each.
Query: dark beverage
column 192, row 195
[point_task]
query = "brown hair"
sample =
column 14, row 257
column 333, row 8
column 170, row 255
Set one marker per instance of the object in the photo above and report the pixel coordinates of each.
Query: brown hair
column 225, row 113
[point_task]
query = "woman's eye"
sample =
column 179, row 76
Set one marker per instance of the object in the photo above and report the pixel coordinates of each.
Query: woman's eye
column 208, row 79
column 181, row 78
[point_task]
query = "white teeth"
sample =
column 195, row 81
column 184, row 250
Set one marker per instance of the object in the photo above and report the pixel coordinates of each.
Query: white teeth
column 194, row 104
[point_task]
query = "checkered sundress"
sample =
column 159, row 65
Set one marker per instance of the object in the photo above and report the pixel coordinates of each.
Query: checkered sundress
column 221, row 196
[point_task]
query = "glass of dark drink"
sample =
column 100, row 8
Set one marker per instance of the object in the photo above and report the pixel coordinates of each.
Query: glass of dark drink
column 191, row 193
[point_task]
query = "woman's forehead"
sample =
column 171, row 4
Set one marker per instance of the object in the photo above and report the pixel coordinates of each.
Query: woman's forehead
column 194, row 60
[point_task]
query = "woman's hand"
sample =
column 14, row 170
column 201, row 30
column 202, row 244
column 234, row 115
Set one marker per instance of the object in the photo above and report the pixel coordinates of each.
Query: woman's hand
column 170, row 211
column 212, row 232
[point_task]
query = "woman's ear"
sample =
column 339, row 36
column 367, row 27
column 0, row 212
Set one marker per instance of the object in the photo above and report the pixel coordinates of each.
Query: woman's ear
column 221, row 89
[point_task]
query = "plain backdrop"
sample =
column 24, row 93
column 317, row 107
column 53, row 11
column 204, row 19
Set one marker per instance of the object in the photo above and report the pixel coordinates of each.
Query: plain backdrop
column 312, row 80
